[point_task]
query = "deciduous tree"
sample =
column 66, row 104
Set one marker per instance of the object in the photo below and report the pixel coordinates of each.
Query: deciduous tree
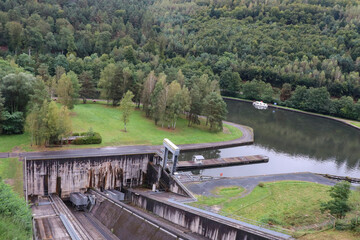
column 126, row 107
column 338, row 206
column 65, row 91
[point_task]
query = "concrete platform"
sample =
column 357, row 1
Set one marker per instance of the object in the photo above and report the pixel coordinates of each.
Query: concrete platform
column 221, row 162
column 47, row 224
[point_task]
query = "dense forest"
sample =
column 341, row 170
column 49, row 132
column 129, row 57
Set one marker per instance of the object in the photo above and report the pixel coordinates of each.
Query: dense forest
column 302, row 54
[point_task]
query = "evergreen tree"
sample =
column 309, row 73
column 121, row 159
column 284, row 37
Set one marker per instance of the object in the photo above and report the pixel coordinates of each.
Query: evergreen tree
column 87, row 89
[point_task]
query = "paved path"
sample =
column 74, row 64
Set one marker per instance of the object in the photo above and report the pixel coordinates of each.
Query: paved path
column 249, row 183
column 246, row 139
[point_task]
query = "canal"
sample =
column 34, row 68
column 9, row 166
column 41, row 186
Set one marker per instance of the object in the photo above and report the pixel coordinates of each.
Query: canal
column 294, row 142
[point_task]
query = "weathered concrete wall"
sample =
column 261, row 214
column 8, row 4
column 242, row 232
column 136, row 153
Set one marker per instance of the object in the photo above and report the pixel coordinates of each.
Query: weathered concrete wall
column 202, row 225
column 77, row 174
column 125, row 225
column 167, row 182
column 173, row 186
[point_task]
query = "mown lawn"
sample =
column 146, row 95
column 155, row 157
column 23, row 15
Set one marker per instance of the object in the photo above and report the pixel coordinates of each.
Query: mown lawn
column 11, row 172
column 140, row 130
column 14, row 142
column 355, row 123
column 288, row 204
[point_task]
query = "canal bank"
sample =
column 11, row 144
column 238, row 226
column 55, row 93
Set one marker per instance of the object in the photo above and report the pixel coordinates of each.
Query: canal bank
column 344, row 121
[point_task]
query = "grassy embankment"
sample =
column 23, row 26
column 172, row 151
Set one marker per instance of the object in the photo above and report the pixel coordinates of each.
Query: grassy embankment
column 11, row 172
column 15, row 216
column 288, row 204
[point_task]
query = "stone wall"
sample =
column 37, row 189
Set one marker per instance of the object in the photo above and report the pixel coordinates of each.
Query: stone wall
column 64, row 176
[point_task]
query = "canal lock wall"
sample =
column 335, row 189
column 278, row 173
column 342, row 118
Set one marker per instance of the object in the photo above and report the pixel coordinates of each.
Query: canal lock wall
column 66, row 175
column 203, row 225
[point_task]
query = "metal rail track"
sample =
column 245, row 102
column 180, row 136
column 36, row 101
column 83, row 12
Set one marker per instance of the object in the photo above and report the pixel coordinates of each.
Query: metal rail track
column 61, row 209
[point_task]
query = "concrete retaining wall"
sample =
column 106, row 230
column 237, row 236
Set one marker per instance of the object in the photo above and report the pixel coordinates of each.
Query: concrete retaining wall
column 127, row 226
column 205, row 226
column 64, row 176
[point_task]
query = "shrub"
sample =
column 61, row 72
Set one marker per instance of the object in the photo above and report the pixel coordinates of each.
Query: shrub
column 13, row 123
column 270, row 220
column 341, row 225
column 355, row 223
column 94, row 138
column 261, row 184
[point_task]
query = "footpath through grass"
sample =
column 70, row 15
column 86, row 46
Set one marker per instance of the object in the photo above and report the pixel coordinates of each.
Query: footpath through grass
column 288, row 204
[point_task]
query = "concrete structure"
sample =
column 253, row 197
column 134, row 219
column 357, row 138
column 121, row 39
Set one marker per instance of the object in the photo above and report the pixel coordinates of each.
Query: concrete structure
column 221, row 162
column 67, row 175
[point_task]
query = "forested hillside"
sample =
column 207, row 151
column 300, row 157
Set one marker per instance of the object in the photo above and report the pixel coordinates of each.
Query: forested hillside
column 254, row 49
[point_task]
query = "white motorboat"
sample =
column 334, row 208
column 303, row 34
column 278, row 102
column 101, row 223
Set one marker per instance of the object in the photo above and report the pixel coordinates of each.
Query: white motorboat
column 260, row 105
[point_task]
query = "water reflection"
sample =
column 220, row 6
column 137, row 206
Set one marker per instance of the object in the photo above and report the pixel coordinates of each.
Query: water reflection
column 294, row 142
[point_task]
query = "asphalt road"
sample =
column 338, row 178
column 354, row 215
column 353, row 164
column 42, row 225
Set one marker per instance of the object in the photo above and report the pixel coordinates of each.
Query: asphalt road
column 246, row 138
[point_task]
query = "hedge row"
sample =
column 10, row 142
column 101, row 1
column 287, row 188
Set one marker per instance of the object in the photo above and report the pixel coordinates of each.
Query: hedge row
column 94, row 138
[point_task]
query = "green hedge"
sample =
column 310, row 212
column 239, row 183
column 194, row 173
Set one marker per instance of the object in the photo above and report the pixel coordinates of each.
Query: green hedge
column 94, row 138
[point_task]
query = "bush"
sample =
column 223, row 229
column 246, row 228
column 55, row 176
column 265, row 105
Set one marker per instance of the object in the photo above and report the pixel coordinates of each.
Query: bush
column 261, row 184
column 87, row 138
column 341, row 225
column 14, row 207
column 13, row 123
column 355, row 223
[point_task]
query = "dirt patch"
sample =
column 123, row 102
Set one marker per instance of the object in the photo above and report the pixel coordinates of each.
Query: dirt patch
column 165, row 129
column 16, row 149
column 216, row 208
column 226, row 130
column 9, row 181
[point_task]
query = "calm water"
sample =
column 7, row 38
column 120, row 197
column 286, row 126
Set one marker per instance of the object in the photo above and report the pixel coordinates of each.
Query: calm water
column 294, row 142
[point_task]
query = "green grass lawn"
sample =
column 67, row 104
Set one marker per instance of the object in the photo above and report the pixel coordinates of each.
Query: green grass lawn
column 14, row 142
column 11, row 172
column 287, row 204
column 355, row 123
column 141, row 130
